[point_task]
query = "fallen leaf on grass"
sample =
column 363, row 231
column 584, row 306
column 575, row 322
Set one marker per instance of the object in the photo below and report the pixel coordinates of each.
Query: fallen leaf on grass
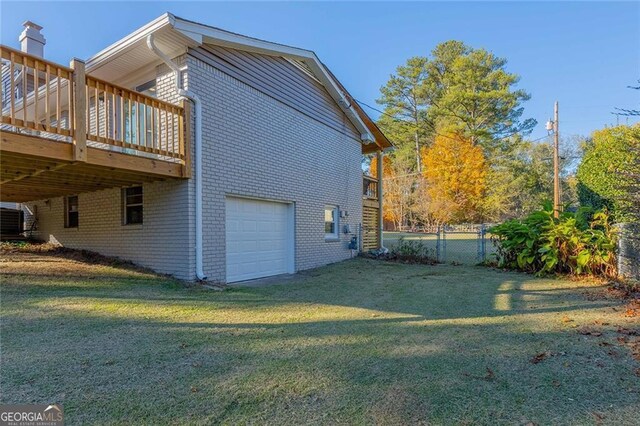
column 599, row 417
column 566, row 319
column 194, row 389
column 628, row 332
column 635, row 350
column 603, row 343
column 613, row 353
column 631, row 313
column 586, row 331
column 490, row 374
column 637, row 372
column 539, row 357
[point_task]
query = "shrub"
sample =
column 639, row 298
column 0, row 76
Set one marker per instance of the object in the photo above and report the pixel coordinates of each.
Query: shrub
column 410, row 248
column 604, row 173
column 408, row 251
column 575, row 243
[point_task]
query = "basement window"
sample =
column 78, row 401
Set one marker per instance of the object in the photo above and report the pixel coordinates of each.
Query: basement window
column 71, row 212
column 331, row 222
column 132, row 202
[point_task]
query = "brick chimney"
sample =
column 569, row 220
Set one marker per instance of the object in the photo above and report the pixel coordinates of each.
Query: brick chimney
column 31, row 41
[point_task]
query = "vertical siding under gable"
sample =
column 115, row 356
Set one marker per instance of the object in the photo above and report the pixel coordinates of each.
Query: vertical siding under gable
column 281, row 80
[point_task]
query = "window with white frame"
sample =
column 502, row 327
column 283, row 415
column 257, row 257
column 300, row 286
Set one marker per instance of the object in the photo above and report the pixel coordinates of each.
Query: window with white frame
column 71, row 214
column 132, row 205
column 331, row 215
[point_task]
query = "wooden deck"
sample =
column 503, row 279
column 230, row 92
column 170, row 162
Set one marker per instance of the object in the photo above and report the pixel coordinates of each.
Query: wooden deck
column 64, row 132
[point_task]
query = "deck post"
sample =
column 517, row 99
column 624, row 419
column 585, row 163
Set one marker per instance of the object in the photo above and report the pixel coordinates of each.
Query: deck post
column 185, row 134
column 380, row 155
column 78, row 110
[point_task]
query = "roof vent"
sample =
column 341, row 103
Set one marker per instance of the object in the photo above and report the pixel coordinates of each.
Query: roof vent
column 31, row 41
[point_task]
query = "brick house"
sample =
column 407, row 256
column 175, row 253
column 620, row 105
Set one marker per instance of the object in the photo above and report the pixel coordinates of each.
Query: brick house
column 190, row 150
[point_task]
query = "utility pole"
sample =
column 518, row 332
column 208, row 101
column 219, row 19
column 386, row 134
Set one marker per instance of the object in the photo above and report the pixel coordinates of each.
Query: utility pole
column 556, row 164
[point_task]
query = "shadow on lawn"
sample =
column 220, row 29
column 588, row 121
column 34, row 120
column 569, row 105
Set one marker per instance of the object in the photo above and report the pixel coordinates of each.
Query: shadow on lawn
column 381, row 370
column 443, row 356
column 426, row 292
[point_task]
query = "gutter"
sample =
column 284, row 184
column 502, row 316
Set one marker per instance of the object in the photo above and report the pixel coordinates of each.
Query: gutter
column 198, row 148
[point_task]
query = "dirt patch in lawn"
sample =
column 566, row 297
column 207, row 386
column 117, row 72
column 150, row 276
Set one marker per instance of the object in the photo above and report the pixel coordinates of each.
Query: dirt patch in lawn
column 52, row 259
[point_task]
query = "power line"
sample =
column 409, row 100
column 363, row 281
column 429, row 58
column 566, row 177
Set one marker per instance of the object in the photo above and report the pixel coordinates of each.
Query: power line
column 540, row 138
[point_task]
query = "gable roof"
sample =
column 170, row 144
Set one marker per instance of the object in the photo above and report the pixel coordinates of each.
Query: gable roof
column 174, row 35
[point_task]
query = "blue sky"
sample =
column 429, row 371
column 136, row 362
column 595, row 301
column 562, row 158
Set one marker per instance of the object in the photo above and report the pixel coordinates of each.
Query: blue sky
column 581, row 54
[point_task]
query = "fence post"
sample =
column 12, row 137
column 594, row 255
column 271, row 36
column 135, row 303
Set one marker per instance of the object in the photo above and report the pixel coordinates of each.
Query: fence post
column 438, row 244
column 484, row 242
column 628, row 250
column 479, row 245
column 444, row 243
column 79, row 110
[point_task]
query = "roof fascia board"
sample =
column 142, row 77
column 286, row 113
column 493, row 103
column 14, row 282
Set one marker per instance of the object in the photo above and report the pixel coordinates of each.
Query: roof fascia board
column 121, row 46
column 237, row 41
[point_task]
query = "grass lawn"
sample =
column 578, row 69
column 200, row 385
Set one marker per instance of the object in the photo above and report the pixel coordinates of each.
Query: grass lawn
column 358, row 342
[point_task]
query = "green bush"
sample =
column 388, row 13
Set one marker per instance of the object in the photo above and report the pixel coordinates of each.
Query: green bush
column 412, row 251
column 575, row 243
column 604, row 173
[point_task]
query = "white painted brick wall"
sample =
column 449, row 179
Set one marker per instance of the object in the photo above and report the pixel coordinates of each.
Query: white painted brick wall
column 160, row 243
column 253, row 146
column 258, row 147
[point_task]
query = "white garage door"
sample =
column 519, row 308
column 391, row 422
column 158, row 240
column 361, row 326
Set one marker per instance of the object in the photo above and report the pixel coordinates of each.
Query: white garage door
column 259, row 238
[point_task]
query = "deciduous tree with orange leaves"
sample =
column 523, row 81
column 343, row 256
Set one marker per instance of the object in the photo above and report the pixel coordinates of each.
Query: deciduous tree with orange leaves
column 455, row 173
column 397, row 175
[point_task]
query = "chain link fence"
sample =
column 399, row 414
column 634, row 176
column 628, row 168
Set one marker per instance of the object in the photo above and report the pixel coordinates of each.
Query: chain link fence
column 471, row 244
column 468, row 244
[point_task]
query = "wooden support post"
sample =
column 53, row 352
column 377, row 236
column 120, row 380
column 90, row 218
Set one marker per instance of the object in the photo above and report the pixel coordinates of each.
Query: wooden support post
column 380, row 155
column 185, row 134
column 79, row 112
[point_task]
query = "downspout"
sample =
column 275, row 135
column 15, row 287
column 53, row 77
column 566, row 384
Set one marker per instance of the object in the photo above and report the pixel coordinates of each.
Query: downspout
column 198, row 147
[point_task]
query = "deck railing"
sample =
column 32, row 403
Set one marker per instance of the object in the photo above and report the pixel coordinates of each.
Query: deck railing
column 62, row 103
column 369, row 187
column 121, row 117
column 46, row 88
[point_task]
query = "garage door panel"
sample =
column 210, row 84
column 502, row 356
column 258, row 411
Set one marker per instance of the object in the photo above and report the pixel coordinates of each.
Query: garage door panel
column 259, row 239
